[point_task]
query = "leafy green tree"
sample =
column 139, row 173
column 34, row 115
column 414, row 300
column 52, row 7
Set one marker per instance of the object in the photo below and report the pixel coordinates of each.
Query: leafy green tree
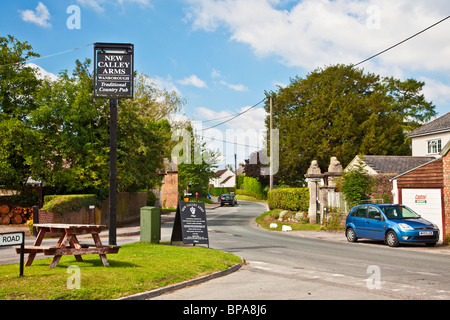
column 56, row 131
column 74, row 130
column 18, row 149
column 73, row 127
column 18, row 82
column 196, row 163
column 342, row 111
column 18, row 86
column 356, row 184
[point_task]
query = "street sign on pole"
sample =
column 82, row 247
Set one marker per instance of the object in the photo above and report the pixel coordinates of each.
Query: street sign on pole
column 13, row 239
column 113, row 79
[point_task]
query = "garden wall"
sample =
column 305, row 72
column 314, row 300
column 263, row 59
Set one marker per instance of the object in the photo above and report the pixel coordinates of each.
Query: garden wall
column 128, row 210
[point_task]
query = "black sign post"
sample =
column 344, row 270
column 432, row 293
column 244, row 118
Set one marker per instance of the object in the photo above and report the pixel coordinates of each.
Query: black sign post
column 12, row 239
column 190, row 224
column 113, row 79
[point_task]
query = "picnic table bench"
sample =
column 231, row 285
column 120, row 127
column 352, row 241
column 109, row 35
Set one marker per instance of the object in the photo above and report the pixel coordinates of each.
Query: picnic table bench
column 68, row 243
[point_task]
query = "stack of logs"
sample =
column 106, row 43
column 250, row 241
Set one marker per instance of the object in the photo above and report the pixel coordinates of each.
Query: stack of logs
column 15, row 215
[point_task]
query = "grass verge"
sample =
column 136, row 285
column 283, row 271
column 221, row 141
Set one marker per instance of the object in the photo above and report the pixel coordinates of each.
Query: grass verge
column 249, row 198
column 138, row 267
column 271, row 216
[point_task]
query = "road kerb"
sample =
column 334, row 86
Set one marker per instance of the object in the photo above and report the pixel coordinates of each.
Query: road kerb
column 157, row 292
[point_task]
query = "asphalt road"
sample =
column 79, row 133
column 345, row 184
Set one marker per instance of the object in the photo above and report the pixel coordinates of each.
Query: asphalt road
column 282, row 267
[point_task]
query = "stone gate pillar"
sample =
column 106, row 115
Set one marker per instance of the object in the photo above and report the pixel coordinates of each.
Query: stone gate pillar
column 314, row 176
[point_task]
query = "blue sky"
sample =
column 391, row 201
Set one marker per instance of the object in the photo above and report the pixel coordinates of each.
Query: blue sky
column 222, row 55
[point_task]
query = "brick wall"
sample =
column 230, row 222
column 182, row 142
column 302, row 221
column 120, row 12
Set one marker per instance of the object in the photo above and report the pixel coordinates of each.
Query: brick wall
column 128, row 209
column 84, row 216
column 383, row 187
column 169, row 190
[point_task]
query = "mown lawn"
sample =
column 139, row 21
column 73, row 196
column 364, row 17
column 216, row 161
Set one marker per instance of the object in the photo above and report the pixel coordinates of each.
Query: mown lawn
column 138, row 267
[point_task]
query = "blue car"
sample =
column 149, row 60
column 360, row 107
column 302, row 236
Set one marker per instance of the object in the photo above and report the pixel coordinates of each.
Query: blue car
column 393, row 223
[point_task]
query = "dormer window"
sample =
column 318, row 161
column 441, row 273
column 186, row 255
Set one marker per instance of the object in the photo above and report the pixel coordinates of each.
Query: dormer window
column 434, row 146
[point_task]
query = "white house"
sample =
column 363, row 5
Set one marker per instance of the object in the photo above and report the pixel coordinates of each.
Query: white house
column 225, row 179
column 430, row 139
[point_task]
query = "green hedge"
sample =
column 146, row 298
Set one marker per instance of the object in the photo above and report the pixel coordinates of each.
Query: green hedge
column 68, row 203
column 253, row 184
column 250, row 193
column 217, row 191
column 293, row 199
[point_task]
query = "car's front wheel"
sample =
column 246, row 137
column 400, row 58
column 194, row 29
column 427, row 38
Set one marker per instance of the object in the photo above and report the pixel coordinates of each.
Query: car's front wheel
column 391, row 239
column 351, row 235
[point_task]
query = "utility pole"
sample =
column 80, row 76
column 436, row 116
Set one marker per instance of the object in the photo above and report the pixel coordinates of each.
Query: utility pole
column 271, row 142
column 235, row 172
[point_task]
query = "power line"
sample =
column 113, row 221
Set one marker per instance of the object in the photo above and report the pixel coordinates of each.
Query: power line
column 401, row 42
column 353, row 65
column 235, row 143
column 234, row 117
column 47, row 56
column 225, row 117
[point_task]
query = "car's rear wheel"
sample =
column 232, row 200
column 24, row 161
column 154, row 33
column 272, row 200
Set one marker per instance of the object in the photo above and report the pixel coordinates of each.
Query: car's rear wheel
column 391, row 239
column 351, row 235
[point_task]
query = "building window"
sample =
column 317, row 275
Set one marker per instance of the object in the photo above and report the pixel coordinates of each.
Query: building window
column 434, row 146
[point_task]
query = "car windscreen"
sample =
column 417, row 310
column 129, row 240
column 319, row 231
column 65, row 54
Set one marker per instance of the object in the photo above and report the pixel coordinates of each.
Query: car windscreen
column 399, row 212
column 226, row 197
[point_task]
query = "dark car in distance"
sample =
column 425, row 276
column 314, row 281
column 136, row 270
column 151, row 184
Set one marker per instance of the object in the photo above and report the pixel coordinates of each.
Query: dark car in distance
column 227, row 199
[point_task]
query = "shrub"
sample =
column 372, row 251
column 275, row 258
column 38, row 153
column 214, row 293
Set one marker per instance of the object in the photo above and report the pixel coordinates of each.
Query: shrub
column 253, row 184
column 356, row 184
column 250, row 193
column 294, row 199
column 217, row 191
column 68, row 203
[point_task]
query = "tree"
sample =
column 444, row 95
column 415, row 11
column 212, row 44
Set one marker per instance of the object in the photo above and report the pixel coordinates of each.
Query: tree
column 342, row 111
column 74, row 130
column 356, row 184
column 256, row 167
column 55, row 131
column 18, row 82
column 18, row 86
column 196, row 163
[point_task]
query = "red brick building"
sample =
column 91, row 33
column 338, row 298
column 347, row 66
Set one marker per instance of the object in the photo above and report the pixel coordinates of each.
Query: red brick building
column 169, row 190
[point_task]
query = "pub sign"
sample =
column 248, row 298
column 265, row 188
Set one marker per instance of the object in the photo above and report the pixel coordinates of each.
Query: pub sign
column 113, row 70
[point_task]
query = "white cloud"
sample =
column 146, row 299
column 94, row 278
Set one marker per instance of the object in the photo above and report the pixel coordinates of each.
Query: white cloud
column 436, row 91
column 215, row 73
column 40, row 16
column 98, row 5
column 313, row 33
column 235, row 87
column 193, row 80
column 166, row 83
column 93, row 4
column 141, row 2
column 242, row 136
column 42, row 73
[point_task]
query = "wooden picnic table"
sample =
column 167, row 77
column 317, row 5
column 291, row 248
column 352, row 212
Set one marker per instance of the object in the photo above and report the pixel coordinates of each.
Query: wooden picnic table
column 68, row 243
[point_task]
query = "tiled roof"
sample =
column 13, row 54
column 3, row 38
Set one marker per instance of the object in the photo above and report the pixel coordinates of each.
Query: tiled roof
column 441, row 124
column 395, row 164
column 226, row 179
column 221, row 172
